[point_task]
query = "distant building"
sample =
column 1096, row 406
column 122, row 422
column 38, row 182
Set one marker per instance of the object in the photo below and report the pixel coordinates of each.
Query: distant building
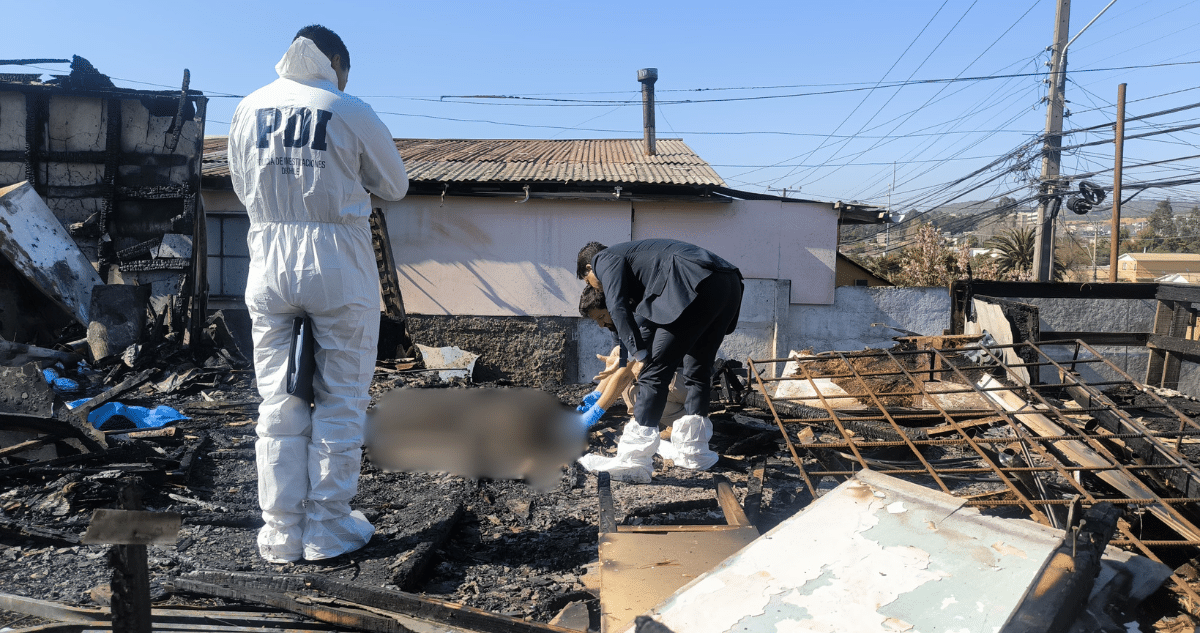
column 1179, row 278
column 851, row 273
column 1147, row 267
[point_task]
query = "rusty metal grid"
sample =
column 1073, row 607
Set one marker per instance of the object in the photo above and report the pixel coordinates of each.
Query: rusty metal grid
column 961, row 450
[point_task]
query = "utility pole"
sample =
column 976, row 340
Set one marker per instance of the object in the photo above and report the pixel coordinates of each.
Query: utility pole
column 1043, row 248
column 1114, row 240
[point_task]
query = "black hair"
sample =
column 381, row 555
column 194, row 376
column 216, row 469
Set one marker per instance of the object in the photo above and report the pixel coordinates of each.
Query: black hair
column 591, row 299
column 585, row 257
column 327, row 41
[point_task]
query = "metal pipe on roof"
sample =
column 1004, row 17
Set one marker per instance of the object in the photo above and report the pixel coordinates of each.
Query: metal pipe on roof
column 647, row 77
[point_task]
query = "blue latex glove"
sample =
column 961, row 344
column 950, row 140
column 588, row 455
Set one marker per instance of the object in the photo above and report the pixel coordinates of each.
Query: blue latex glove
column 588, row 401
column 592, row 416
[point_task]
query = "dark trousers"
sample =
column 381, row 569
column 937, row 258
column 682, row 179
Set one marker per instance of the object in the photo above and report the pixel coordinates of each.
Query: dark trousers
column 692, row 339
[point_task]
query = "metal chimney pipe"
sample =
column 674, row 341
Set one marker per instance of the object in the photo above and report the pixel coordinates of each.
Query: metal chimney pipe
column 647, row 77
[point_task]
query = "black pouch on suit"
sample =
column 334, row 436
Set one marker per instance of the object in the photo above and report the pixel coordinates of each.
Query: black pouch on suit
column 302, row 359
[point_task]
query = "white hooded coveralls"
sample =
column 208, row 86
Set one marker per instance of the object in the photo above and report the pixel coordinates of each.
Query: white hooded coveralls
column 300, row 154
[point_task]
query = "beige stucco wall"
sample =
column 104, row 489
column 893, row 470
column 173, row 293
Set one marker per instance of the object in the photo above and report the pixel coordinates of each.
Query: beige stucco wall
column 497, row 257
column 765, row 239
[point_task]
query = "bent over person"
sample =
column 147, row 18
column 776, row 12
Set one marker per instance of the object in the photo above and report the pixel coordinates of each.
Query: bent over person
column 301, row 152
column 685, row 300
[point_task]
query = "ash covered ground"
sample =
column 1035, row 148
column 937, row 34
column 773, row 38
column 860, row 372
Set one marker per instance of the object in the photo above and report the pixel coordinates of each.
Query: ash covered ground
column 489, row 544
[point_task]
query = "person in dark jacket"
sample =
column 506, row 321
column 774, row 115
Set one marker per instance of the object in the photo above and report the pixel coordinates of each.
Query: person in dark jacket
column 684, row 301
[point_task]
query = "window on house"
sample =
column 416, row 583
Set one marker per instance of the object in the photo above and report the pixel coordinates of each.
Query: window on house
column 228, row 256
column 862, row 282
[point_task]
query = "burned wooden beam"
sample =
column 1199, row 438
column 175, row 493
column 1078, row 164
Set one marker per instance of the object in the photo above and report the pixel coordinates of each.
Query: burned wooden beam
column 349, row 604
column 179, row 618
column 25, row 470
column 411, row 573
column 252, row 520
column 220, row 407
column 734, row 514
column 754, row 486
column 37, row 532
column 1185, row 477
column 188, row 461
column 24, row 446
column 296, row 603
column 122, row 388
column 168, row 432
column 757, row 444
column 667, row 507
column 50, row 610
column 88, row 436
column 608, row 512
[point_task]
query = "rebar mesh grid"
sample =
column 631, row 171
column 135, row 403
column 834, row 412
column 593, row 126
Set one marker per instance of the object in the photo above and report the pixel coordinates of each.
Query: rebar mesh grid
column 1048, row 447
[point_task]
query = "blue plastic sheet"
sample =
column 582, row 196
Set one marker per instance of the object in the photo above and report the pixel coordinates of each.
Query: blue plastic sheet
column 142, row 417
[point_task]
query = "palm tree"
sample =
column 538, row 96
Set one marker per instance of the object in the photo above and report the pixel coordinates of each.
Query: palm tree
column 1015, row 248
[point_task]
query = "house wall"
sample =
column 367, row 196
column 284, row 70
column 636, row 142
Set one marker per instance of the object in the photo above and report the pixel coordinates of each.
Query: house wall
column 765, row 239
column 496, row 257
column 848, row 274
column 492, row 257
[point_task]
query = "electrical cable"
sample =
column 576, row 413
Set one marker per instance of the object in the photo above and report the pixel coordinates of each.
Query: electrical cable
column 943, row 88
column 864, row 99
column 798, row 183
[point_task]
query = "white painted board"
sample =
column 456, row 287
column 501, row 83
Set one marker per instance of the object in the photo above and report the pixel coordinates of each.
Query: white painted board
column 875, row 554
column 38, row 245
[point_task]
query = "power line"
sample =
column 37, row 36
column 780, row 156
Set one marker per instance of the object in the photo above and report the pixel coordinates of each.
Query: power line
column 797, row 183
column 1136, row 118
column 864, row 99
column 499, row 99
column 943, row 88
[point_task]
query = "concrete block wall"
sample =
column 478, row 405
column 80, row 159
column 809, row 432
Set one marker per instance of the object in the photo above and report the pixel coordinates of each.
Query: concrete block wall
column 539, row 350
column 1106, row 315
column 848, row 324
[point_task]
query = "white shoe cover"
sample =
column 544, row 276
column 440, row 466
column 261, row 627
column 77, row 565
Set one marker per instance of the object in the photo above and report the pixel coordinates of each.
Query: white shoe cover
column 689, row 443
column 334, row 537
column 277, row 542
column 634, row 461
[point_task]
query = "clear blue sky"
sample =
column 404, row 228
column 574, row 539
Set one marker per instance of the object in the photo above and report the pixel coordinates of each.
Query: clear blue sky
column 407, row 56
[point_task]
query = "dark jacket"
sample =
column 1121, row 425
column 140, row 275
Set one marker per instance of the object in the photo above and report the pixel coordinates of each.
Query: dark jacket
column 659, row 277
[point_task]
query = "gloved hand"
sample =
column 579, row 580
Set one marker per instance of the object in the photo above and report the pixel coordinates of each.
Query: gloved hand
column 588, row 401
column 592, row 416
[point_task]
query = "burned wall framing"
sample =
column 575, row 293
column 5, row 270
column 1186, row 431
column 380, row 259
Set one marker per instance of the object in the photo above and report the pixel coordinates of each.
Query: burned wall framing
column 120, row 169
column 1172, row 341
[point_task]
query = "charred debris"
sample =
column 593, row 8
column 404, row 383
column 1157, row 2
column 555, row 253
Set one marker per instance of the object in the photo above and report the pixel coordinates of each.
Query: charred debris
column 128, row 486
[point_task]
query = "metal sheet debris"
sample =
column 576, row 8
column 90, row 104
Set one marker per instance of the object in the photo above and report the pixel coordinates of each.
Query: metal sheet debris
column 875, row 554
column 451, row 362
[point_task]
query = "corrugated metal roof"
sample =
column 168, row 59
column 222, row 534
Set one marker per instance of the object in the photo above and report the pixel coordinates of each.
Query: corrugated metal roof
column 615, row 161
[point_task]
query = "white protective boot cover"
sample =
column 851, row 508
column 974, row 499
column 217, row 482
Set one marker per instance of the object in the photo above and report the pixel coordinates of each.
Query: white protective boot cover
column 634, row 461
column 689, row 443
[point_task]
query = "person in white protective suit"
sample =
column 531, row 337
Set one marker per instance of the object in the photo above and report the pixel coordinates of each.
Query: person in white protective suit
column 301, row 152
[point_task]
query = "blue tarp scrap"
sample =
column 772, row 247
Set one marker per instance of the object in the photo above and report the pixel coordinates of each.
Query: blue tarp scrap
column 142, row 417
column 60, row 384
